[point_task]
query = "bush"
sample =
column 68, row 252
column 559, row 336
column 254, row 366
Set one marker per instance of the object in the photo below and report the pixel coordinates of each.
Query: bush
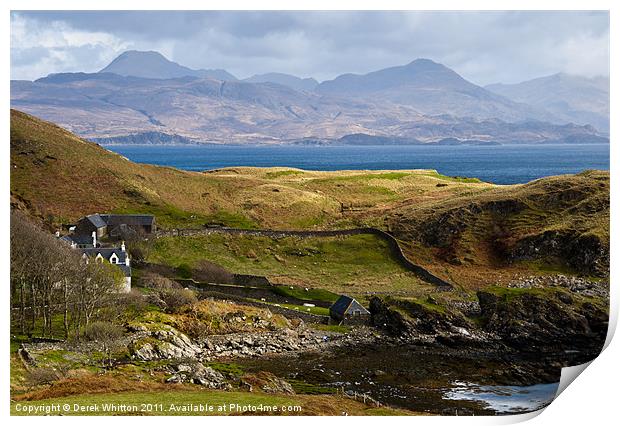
column 184, row 270
column 42, row 376
column 176, row 298
column 168, row 294
column 206, row 271
column 106, row 334
column 158, row 282
column 133, row 304
column 100, row 331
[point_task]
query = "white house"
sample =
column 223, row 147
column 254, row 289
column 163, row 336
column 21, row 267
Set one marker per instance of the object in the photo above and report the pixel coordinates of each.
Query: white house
column 116, row 256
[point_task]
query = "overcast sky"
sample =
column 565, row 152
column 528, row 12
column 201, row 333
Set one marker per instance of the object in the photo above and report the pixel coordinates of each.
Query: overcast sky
column 484, row 47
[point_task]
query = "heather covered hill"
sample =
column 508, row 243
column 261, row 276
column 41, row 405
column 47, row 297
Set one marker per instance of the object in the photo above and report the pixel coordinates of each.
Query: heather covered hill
column 56, row 175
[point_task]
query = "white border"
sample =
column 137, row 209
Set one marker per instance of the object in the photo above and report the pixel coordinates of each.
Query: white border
column 591, row 400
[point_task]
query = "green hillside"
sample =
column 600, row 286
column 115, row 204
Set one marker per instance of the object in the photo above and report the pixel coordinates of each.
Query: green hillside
column 470, row 232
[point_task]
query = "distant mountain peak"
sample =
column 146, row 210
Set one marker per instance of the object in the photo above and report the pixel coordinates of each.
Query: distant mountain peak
column 138, row 53
column 152, row 64
column 294, row 82
column 425, row 62
column 421, row 73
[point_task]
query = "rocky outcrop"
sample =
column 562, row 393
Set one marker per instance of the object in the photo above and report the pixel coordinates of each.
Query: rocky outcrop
column 267, row 382
column 538, row 320
column 577, row 285
column 584, row 253
column 198, row 374
column 282, row 341
column 544, row 321
column 167, row 343
column 423, row 323
column 163, row 343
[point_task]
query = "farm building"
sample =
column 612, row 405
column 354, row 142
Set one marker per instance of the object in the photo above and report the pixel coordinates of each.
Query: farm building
column 115, row 226
column 348, row 310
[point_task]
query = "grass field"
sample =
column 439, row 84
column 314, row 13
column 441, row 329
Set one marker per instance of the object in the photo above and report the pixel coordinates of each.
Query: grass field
column 352, row 264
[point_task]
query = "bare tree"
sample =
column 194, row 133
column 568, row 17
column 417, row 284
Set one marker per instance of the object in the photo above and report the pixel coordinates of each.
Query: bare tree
column 49, row 279
column 106, row 335
column 169, row 294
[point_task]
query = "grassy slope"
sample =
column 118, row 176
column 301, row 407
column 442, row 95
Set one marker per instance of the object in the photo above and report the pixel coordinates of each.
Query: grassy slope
column 53, row 173
column 341, row 264
column 468, row 234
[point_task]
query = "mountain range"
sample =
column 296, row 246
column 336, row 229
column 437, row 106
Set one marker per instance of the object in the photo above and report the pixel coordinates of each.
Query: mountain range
column 142, row 97
column 154, row 65
column 570, row 98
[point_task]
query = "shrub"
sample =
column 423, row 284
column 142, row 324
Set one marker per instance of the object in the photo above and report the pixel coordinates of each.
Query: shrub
column 106, row 334
column 132, row 304
column 158, row 282
column 211, row 272
column 176, row 298
column 184, row 270
column 42, row 376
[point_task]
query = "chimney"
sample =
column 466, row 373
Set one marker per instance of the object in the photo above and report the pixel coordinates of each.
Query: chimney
column 57, row 234
column 126, row 260
column 123, row 246
column 94, row 238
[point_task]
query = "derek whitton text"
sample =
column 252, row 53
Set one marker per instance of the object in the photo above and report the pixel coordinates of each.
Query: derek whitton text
column 193, row 408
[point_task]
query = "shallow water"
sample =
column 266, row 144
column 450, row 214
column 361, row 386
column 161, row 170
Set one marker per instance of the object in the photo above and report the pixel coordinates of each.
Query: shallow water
column 505, row 399
column 502, row 164
column 424, row 382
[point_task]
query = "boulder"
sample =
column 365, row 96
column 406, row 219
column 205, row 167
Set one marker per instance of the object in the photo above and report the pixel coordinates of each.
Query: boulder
column 198, row 374
column 166, row 343
column 267, row 382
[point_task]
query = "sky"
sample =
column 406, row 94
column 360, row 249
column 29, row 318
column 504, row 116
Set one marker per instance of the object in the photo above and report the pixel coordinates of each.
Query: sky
column 484, row 47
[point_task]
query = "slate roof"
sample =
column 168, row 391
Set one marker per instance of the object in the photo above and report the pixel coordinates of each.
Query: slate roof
column 80, row 240
column 97, row 220
column 129, row 219
column 342, row 305
column 126, row 270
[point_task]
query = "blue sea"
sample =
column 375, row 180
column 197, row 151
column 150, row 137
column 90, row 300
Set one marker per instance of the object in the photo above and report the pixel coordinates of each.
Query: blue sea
column 502, row 164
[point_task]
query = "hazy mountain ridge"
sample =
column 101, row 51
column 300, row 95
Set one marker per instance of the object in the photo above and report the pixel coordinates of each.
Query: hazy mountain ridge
column 431, row 88
column 294, row 82
column 423, row 101
column 572, row 98
column 155, row 65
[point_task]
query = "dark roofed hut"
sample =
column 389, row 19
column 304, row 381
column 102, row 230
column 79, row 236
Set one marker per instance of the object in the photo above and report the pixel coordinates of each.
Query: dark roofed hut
column 349, row 311
column 120, row 225
column 91, row 223
column 115, row 226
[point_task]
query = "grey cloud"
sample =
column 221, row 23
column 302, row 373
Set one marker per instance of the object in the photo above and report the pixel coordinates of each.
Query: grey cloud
column 484, row 47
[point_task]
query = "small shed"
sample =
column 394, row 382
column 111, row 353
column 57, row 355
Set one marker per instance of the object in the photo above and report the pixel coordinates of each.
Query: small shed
column 92, row 223
column 348, row 310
